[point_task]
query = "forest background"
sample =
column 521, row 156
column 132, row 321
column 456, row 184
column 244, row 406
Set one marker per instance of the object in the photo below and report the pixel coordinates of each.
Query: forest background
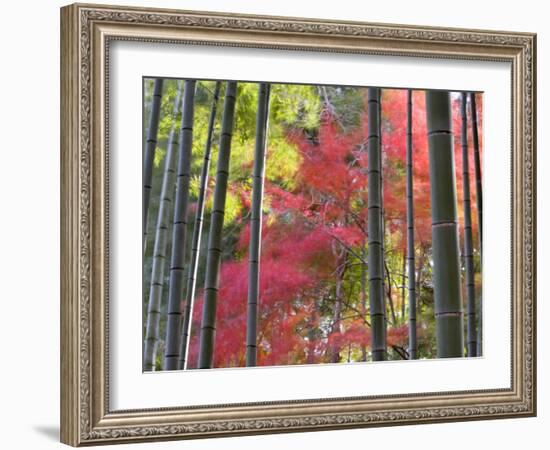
column 314, row 304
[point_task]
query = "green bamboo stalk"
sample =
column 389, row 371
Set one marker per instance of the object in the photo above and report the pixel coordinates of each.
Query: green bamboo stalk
column 468, row 254
column 213, row 260
column 262, row 120
column 179, row 229
column 479, row 203
column 375, row 229
column 410, row 233
column 445, row 248
column 479, row 349
column 159, row 252
column 386, row 285
column 149, row 155
column 477, row 166
column 197, row 233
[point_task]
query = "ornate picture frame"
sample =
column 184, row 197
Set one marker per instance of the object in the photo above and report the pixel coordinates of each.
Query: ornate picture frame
column 87, row 32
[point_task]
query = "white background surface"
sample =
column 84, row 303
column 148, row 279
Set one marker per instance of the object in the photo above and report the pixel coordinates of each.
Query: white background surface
column 132, row 389
column 29, row 178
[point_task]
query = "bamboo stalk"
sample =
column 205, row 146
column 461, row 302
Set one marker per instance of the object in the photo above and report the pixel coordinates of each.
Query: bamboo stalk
column 477, row 167
column 262, row 120
column 386, row 287
column 479, row 203
column 179, row 229
column 197, row 233
column 479, row 349
column 149, row 155
column 471, row 340
column 376, row 257
column 159, row 252
column 445, row 246
column 213, row 261
column 410, row 233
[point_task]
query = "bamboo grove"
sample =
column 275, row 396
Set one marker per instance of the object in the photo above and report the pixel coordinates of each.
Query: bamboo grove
column 302, row 224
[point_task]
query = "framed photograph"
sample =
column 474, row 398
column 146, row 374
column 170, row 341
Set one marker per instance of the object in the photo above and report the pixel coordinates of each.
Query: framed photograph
column 278, row 224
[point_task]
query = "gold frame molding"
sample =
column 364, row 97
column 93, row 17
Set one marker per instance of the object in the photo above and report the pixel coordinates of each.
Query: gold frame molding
column 86, row 31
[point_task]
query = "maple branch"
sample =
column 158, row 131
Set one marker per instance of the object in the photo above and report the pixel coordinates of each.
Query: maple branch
column 359, row 313
column 401, row 351
column 348, row 248
column 330, row 107
column 354, row 316
column 358, row 221
column 393, row 272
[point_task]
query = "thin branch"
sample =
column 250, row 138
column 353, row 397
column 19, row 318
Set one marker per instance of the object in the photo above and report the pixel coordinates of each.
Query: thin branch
column 400, row 351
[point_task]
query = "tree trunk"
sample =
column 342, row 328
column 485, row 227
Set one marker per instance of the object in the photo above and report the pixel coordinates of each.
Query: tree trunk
column 179, row 230
column 335, row 349
column 479, row 202
column 312, row 334
column 197, row 232
column 376, row 257
column 410, row 234
column 389, row 284
column 262, row 119
column 159, row 252
column 419, row 273
column 471, row 341
column 446, row 271
column 149, row 156
column 213, row 259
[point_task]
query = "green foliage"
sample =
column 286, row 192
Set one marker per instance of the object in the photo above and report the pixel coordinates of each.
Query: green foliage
column 295, row 106
column 284, row 158
column 160, row 153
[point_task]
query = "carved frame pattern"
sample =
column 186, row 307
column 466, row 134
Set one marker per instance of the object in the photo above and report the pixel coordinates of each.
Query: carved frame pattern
column 86, row 33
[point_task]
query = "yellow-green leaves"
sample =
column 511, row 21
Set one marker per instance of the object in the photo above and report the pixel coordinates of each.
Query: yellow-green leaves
column 295, row 105
column 159, row 156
